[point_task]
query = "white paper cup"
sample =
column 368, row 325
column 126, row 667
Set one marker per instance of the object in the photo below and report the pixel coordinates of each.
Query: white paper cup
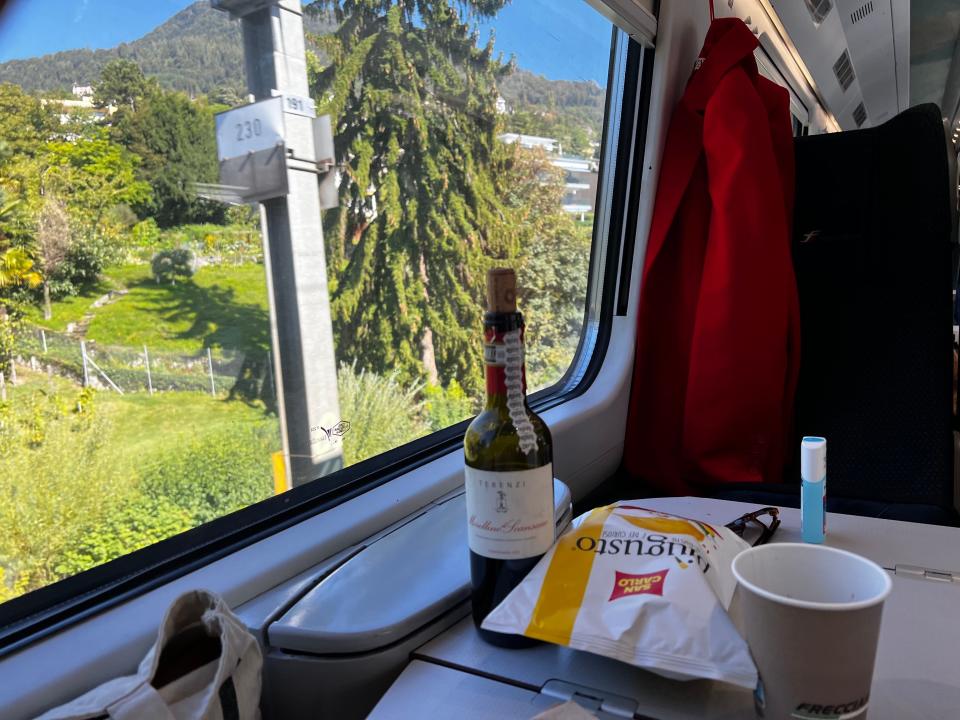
column 811, row 616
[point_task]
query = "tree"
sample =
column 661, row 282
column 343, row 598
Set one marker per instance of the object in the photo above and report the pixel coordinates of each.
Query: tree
column 553, row 261
column 8, row 208
column 53, row 244
column 569, row 111
column 70, row 194
column 16, row 269
column 25, row 123
column 175, row 138
column 122, row 83
column 413, row 102
column 92, row 174
column 225, row 95
column 573, row 134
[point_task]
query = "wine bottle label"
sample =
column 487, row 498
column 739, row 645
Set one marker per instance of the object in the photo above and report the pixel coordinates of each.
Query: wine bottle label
column 510, row 514
column 503, row 354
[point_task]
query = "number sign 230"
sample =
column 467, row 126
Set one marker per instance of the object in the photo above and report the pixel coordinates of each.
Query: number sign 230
column 248, row 129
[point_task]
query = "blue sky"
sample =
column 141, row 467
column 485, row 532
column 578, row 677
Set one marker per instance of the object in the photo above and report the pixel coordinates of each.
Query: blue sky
column 37, row 27
column 562, row 39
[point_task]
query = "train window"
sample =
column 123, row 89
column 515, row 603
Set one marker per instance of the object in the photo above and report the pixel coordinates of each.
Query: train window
column 171, row 352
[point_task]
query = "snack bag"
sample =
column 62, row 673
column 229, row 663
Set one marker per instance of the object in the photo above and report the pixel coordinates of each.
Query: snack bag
column 644, row 587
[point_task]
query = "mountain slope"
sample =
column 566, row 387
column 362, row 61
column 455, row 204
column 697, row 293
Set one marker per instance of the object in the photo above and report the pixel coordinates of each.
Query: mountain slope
column 198, row 50
column 526, row 90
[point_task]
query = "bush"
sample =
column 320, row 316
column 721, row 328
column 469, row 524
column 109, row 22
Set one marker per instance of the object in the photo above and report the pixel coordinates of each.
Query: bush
column 8, row 342
column 145, row 233
column 131, row 525
column 70, row 499
column 213, row 475
column 57, row 482
column 63, row 506
column 382, row 413
column 85, row 260
column 121, row 217
column 446, row 407
column 167, row 265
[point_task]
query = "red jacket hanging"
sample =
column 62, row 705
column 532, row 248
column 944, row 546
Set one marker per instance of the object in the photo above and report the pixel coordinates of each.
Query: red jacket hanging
column 718, row 328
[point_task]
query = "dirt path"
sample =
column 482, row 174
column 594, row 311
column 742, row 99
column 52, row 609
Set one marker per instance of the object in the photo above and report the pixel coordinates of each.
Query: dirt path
column 79, row 329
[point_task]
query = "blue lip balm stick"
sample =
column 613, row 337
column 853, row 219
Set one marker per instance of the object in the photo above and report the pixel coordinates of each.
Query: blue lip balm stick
column 813, row 489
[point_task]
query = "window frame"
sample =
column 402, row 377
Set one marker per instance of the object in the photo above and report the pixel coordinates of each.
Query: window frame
column 40, row 613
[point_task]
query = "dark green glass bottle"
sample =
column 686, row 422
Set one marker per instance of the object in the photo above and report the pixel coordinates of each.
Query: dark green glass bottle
column 509, row 472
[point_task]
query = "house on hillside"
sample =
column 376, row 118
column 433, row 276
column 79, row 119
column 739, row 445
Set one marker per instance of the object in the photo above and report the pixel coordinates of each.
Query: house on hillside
column 580, row 184
column 82, row 108
column 530, row 142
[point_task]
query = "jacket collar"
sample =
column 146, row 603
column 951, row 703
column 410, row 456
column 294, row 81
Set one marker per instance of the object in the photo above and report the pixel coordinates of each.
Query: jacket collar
column 728, row 42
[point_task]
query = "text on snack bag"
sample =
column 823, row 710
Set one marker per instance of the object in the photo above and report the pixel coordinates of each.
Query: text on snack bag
column 651, row 545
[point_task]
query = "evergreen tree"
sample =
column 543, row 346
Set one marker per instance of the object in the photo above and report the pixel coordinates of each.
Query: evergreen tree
column 412, row 100
column 121, row 84
column 175, row 139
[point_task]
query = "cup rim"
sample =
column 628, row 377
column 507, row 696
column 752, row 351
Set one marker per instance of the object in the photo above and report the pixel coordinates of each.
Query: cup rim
column 812, row 604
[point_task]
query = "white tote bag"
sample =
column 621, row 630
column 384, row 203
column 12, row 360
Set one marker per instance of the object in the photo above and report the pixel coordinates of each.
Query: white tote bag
column 205, row 664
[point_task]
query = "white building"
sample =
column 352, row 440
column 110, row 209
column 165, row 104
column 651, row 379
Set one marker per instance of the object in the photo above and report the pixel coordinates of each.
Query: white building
column 580, row 174
column 530, row 142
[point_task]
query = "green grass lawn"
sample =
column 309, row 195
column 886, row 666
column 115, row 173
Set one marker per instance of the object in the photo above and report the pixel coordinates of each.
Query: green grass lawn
column 69, row 309
column 135, row 468
column 126, row 275
column 222, row 307
column 142, row 425
column 75, row 485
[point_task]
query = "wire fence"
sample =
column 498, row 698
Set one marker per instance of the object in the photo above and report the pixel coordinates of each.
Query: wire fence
column 130, row 369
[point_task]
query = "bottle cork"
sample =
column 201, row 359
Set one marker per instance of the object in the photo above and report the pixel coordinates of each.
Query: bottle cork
column 501, row 290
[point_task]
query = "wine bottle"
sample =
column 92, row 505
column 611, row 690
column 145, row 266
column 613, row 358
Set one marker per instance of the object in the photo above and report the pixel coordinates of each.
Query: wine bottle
column 509, row 470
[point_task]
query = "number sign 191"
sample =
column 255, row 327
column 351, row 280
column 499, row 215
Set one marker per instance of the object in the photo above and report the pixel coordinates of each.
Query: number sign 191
column 297, row 105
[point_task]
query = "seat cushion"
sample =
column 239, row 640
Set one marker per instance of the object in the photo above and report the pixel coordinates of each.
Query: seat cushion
column 872, row 255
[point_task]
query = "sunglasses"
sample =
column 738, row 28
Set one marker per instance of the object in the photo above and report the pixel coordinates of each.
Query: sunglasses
column 767, row 529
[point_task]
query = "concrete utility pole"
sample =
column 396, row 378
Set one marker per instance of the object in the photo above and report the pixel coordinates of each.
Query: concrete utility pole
column 301, row 330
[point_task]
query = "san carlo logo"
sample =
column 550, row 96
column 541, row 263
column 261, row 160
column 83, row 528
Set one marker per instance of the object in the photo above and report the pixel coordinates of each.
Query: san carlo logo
column 625, row 584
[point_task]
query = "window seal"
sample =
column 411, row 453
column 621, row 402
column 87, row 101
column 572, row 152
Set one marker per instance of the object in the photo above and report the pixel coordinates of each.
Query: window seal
column 628, row 60
column 40, row 613
column 636, row 182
